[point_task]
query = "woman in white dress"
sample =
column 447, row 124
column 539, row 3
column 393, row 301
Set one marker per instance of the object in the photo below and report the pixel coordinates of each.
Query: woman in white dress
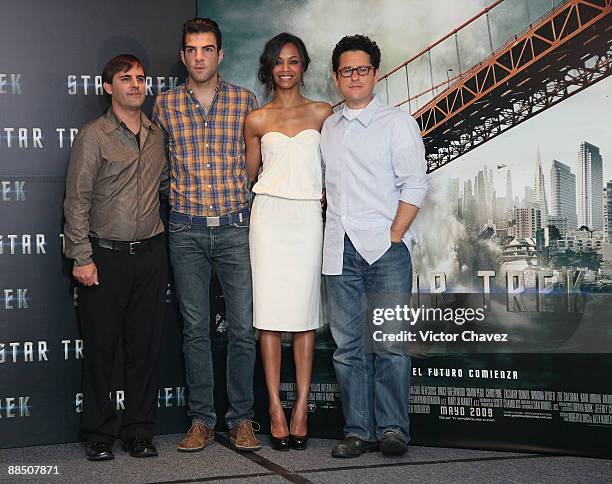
column 286, row 227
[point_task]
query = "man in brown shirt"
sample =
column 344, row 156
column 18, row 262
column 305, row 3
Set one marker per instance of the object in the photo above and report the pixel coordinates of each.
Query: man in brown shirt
column 115, row 236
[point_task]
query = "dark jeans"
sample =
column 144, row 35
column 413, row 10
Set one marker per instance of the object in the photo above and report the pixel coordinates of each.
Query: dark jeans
column 129, row 302
column 194, row 252
column 375, row 386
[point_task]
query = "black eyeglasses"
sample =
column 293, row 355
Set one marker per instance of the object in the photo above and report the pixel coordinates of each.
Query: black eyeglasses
column 361, row 70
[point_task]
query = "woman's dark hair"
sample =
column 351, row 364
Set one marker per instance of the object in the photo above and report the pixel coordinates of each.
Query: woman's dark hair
column 119, row 63
column 356, row 42
column 267, row 60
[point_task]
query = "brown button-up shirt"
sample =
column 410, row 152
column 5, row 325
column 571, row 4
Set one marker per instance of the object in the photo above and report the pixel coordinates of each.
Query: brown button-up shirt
column 113, row 186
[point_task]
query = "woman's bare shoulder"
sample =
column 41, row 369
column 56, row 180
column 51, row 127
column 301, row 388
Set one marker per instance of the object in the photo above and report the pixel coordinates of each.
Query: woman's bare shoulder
column 257, row 118
column 320, row 109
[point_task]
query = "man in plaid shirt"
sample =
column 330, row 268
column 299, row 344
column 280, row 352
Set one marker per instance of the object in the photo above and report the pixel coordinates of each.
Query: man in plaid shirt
column 208, row 228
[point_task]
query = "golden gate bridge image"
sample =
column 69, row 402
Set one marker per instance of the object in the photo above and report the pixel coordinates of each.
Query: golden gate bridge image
column 559, row 54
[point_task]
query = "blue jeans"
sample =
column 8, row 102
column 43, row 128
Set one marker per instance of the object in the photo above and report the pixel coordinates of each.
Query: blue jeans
column 375, row 386
column 194, row 252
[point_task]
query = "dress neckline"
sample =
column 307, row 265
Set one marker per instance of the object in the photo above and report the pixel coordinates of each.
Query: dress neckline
column 290, row 137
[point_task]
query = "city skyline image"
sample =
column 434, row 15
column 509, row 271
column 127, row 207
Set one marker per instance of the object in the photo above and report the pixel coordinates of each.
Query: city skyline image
column 556, row 133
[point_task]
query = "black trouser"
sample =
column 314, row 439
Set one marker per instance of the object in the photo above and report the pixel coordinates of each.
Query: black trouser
column 128, row 303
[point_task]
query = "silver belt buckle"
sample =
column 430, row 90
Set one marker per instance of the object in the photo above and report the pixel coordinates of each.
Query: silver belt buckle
column 213, row 221
column 133, row 245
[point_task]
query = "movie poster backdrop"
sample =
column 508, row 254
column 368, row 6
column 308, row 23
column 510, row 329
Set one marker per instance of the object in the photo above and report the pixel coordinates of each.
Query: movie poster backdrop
column 510, row 325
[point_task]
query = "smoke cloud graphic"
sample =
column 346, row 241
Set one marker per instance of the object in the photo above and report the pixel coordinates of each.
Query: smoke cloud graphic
column 401, row 28
column 444, row 244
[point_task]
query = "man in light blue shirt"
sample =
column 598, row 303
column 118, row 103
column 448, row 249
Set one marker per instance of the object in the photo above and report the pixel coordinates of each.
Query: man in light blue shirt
column 375, row 181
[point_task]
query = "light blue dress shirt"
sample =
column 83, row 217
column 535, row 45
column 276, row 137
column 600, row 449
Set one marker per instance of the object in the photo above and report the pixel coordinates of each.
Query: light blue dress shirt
column 370, row 163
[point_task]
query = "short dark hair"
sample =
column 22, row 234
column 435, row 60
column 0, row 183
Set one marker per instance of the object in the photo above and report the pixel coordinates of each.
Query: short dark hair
column 356, row 42
column 270, row 54
column 199, row 25
column 119, row 63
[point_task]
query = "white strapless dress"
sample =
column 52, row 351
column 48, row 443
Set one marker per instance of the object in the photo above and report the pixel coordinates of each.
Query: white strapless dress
column 286, row 233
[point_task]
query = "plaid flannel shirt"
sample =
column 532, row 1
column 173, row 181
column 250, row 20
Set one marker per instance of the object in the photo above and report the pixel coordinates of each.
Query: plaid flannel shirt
column 206, row 149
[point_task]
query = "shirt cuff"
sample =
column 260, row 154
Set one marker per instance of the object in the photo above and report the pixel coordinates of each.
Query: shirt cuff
column 81, row 254
column 413, row 196
column 83, row 261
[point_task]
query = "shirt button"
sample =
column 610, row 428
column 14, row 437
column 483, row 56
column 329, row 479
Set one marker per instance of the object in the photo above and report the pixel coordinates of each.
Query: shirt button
column 207, row 165
column 205, row 124
column 209, row 186
column 207, row 145
column 197, row 105
column 210, row 206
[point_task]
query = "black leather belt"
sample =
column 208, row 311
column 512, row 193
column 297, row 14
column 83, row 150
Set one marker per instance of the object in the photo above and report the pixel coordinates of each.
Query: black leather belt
column 134, row 247
column 196, row 221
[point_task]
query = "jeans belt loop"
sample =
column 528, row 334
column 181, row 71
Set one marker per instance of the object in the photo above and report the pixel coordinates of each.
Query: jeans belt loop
column 240, row 217
column 190, row 220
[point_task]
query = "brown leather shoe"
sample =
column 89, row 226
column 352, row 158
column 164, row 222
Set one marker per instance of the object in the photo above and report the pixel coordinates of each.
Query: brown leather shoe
column 197, row 437
column 242, row 436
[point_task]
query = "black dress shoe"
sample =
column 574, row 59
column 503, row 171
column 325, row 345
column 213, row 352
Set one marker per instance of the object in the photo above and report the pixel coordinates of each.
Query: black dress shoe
column 279, row 443
column 393, row 444
column 140, row 447
column 96, row 451
column 353, row 447
column 298, row 442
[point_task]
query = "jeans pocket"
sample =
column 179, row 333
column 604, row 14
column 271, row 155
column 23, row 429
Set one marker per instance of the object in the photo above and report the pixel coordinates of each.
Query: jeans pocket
column 173, row 227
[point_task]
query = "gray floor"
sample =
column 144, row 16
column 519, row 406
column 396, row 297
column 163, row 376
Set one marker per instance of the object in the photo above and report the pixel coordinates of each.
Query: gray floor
column 218, row 462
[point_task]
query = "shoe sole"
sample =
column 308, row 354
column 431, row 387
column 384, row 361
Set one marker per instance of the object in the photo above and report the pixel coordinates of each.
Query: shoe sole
column 143, row 456
column 100, row 459
column 375, row 448
column 393, row 448
column 196, row 449
column 283, row 449
column 245, row 449
column 140, row 456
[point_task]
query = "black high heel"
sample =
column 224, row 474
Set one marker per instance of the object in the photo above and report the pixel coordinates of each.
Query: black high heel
column 297, row 442
column 280, row 443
